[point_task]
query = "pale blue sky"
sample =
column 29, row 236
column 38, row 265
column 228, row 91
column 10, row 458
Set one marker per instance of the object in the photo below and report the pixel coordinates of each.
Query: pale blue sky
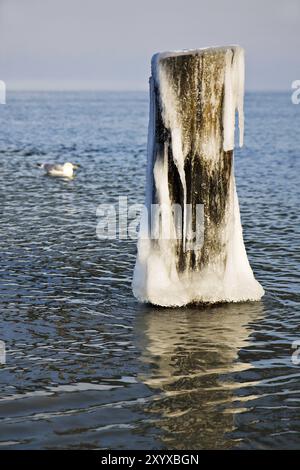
column 108, row 44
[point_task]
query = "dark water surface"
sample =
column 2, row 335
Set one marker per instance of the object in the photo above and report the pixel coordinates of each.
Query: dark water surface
column 86, row 365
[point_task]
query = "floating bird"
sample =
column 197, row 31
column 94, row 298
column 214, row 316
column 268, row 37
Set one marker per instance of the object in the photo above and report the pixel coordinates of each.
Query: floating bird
column 65, row 170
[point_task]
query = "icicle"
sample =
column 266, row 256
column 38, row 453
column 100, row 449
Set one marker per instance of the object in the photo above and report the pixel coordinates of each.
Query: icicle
column 233, row 96
column 172, row 121
column 240, row 92
column 228, row 105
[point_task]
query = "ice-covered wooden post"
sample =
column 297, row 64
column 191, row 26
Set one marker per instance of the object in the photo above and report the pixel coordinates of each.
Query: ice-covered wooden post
column 194, row 96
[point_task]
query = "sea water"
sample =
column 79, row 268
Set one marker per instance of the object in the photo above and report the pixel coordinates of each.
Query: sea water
column 86, row 365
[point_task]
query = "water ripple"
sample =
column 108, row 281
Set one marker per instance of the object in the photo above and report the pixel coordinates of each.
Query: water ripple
column 87, row 367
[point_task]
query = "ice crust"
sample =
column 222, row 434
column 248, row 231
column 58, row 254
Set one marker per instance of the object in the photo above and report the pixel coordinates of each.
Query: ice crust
column 194, row 96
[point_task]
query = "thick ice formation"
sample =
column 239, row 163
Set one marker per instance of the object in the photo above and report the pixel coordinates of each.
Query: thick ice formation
column 194, row 96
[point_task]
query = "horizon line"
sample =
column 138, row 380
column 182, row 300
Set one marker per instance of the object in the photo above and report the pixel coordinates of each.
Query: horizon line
column 122, row 90
column 105, row 86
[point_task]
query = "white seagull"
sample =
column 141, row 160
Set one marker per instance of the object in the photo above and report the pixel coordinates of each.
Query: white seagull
column 65, row 170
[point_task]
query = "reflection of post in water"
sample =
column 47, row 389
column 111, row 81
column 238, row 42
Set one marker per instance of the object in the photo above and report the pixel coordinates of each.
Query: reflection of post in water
column 193, row 357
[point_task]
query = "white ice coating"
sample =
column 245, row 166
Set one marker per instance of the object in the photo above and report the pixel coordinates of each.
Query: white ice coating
column 234, row 84
column 157, row 279
column 233, row 96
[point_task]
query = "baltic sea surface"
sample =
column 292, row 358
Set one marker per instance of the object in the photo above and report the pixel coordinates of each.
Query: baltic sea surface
column 86, row 365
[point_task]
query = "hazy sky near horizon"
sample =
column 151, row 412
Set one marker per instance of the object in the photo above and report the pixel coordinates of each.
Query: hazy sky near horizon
column 99, row 44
